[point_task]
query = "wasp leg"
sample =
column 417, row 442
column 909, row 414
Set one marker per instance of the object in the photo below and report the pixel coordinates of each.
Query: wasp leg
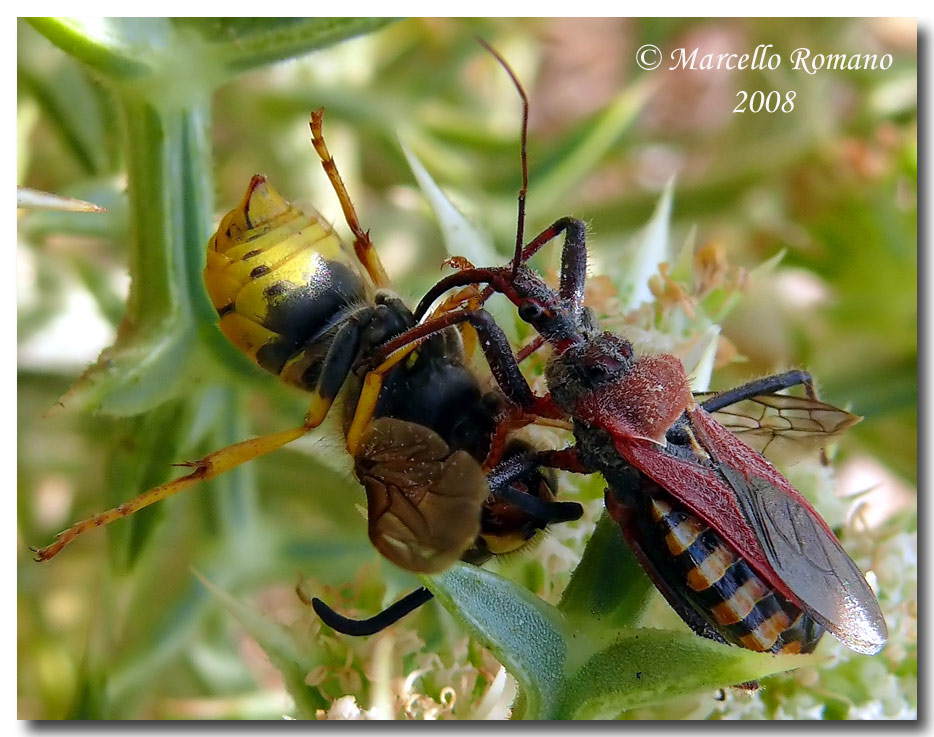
column 765, row 385
column 369, row 396
column 362, row 244
column 373, row 382
column 377, row 623
column 470, row 299
column 210, row 466
column 337, row 364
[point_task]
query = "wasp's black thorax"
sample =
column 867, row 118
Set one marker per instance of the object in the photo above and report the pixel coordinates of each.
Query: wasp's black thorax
column 435, row 389
column 433, row 386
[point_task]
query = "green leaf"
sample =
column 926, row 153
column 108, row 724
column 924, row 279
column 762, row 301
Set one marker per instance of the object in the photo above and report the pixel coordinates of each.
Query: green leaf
column 286, row 653
column 573, row 666
column 73, row 106
column 647, row 666
column 524, row 633
column 33, row 198
column 461, row 236
column 119, row 48
column 699, row 361
column 608, row 583
column 245, row 43
column 648, row 249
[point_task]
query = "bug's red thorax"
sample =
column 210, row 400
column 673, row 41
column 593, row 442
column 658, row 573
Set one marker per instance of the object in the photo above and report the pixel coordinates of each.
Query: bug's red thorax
column 645, row 403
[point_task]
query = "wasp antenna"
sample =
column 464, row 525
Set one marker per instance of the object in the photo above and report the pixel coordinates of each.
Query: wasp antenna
column 365, row 627
column 520, row 220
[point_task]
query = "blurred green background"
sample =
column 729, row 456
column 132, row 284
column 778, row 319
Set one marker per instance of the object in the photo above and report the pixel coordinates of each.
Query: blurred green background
column 118, row 626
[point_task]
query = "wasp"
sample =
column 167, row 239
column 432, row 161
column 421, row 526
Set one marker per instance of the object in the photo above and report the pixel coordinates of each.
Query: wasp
column 425, row 437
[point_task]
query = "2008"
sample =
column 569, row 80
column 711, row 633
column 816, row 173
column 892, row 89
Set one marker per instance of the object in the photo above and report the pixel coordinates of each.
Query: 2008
column 758, row 101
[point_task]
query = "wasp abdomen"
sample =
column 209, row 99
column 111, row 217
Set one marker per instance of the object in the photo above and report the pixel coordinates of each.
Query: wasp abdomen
column 720, row 586
column 281, row 281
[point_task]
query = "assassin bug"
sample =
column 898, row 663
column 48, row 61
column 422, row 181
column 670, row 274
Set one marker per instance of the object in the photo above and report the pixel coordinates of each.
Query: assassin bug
column 734, row 547
column 421, row 430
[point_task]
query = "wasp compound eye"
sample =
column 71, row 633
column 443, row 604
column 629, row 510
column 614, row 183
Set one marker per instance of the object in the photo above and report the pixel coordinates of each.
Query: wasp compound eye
column 530, row 311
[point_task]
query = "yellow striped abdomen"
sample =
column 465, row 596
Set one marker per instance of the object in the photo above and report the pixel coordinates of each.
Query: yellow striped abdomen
column 720, row 586
column 281, row 281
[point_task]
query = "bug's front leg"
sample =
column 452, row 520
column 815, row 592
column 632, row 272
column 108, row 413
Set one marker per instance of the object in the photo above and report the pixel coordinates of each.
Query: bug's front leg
column 496, row 350
column 573, row 258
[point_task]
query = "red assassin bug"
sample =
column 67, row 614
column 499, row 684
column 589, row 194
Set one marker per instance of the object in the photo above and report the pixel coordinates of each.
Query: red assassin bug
column 754, row 564
column 739, row 553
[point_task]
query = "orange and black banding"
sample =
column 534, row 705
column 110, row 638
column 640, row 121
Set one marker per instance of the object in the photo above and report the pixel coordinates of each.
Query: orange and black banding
column 714, row 581
column 281, row 282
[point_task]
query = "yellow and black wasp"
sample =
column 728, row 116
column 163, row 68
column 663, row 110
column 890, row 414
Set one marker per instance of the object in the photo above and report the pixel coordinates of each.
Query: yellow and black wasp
column 427, row 440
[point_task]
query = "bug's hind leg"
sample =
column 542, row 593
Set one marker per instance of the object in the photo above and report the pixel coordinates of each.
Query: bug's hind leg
column 762, row 388
column 362, row 244
column 764, row 385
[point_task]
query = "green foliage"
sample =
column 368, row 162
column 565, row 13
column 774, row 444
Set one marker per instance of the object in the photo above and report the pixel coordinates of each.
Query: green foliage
column 157, row 120
column 580, row 661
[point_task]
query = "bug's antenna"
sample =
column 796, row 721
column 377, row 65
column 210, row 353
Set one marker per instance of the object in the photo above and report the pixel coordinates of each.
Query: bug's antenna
column 520, row 221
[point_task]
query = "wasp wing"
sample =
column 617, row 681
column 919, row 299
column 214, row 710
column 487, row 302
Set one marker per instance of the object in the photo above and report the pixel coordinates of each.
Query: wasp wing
column 797, row 543
column 782, row 425
column 423, row 500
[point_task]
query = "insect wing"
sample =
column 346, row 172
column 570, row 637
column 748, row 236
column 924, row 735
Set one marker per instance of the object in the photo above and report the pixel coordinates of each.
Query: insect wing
column 423, row 500
column 703, row 491
column 782, row 425
column 763, row 517
column 797, row 543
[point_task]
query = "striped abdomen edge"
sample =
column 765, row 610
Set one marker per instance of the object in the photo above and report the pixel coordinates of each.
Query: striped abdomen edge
column 720, row 586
